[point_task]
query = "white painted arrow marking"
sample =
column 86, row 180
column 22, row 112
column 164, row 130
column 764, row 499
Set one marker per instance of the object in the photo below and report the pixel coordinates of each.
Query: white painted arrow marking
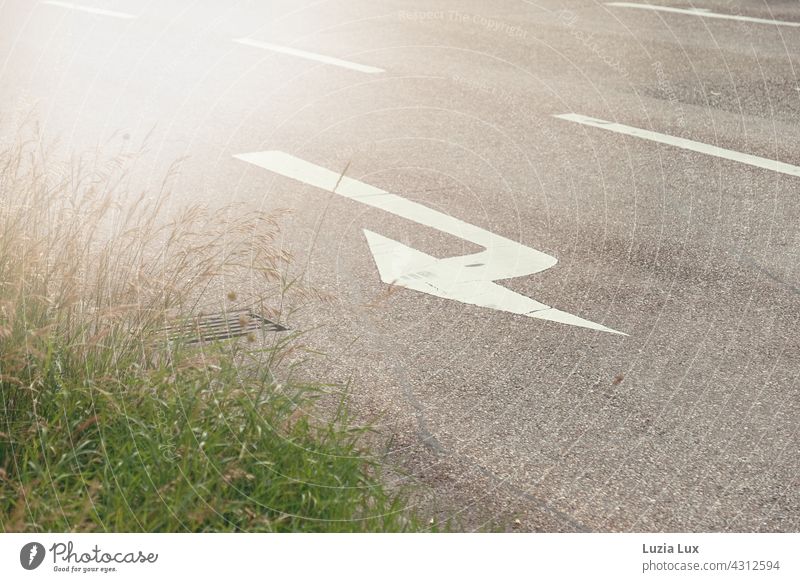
column 467, row 279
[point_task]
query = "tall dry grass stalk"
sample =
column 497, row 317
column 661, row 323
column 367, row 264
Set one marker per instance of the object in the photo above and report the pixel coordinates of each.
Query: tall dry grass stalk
column 84, row 260
column 91, row 272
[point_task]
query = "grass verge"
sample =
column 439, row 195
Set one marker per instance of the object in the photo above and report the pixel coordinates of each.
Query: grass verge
column 107, row 426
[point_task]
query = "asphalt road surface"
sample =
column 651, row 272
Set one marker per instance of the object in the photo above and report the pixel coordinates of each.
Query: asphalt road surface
column 564, row 259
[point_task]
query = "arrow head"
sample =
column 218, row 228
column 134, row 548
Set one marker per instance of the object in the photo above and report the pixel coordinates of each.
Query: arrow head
column 404, row 266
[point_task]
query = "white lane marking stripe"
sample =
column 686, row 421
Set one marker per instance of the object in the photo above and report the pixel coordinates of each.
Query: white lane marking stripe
column 467, row 279
column 308, row 55
column 687, row 144
column 702, row 12
column 89, row 9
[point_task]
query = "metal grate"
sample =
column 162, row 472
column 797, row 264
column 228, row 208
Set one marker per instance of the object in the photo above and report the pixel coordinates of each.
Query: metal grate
column 219, row 326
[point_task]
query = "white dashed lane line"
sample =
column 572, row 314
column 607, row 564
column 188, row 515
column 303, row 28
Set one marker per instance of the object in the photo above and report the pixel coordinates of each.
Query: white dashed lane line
column 89, row 9
column 686, row 144
column 309, row 55
column 702, row 12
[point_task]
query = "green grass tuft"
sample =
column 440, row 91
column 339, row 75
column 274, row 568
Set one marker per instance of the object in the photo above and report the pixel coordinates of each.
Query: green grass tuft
column 105, row 426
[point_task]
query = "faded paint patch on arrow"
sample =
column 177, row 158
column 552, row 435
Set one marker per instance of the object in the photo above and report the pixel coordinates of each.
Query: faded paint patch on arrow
column 467, row 279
